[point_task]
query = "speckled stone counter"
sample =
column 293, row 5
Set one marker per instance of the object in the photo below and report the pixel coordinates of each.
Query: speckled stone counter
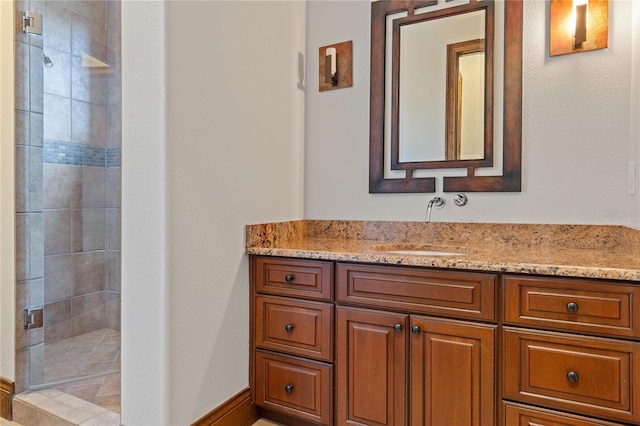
column 590, row 251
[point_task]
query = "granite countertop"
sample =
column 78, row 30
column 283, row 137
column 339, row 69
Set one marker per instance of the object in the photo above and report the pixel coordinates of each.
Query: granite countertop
column 588, row 251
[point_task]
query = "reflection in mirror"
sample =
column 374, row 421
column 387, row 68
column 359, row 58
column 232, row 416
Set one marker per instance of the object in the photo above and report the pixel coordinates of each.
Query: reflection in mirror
column 465, row 100
column 423, row 78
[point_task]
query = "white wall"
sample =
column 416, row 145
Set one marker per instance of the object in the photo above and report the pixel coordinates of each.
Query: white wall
column 220, row 147
column 576, row 113
column 145, row 283
column 634, row 133
column 7, row 233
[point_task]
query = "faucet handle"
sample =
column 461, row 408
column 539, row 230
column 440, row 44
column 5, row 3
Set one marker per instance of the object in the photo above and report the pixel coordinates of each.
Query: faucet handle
column 438, row 202
column 460, row 200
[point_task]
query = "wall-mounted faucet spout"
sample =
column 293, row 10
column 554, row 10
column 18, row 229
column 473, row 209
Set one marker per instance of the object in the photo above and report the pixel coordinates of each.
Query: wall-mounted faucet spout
column 437, row 202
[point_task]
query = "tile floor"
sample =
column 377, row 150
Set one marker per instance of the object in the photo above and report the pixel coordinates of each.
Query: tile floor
column 94, row 355
column 51, row 407
column 84, row 377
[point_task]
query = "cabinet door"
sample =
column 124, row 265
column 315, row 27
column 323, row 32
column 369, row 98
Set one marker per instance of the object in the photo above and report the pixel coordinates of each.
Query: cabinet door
column 371, row 367
column 452, row 373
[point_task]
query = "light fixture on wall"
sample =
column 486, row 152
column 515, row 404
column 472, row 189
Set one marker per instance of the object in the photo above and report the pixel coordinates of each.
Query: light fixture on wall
column 335, row 66
column 580, row 31
column 578, row 26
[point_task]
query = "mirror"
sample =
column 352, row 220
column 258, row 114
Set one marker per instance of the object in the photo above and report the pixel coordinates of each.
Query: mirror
column 427, row 121
column 432, row 95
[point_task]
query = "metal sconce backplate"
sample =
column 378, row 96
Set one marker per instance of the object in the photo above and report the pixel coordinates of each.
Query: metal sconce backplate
column 578, row 26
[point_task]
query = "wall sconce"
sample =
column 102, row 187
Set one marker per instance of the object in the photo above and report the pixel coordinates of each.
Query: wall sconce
column 580, row 33
column 578, row 26
column 335, row 66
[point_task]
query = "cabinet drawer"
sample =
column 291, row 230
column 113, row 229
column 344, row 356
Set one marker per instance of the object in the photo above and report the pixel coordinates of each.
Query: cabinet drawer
column 520, row 415
column 294, row 326
column 293, row 277
column 294, row 386
column 572, row 304
column 591, row 376
column 457, row 294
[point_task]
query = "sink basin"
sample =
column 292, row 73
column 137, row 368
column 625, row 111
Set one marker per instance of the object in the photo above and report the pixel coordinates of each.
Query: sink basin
column 419, row 250
column 426, row 252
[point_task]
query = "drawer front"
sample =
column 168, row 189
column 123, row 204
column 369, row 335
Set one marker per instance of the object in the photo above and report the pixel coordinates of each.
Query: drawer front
column 520, row 415
column 457, row 294
column 588, row 376
column 294, row 386
column 294, row 326
column 293, row 277
column 570, row 304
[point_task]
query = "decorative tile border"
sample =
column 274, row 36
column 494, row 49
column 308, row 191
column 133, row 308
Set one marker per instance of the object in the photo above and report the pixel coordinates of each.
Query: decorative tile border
column 114, row 157
column 73, row 154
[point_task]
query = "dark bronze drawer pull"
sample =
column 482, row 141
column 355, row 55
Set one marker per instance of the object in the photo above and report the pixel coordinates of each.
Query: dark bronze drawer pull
column 573, row 376
column 397, row 327
column 572, row 307
column 289, row 328
column 415, row 329
column 288, row 388
column 288, row 278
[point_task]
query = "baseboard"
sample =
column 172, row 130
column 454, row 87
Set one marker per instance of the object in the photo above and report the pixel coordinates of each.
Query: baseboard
column 6, row 395
column 237, row 411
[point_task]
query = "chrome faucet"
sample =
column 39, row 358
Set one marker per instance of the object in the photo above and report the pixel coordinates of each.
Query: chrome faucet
column 437, row 202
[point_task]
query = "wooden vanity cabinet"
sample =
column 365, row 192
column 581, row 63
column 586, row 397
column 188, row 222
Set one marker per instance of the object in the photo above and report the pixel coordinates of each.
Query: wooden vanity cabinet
column 401, row 367
column 571, row 345
column 361, row 344
column 292, row 316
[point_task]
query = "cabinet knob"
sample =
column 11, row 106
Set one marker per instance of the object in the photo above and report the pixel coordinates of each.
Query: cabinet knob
column 415, row 329
column 289, row 328
column 573, row 376
column 397, row 327
column 288, row 278
column 572, row 307
column 288, row 388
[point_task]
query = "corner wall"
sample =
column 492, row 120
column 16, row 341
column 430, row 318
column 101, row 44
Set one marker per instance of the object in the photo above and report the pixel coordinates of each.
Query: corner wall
column 145, row 305
column 212, row 140
column 234, row 120
column 576, row 121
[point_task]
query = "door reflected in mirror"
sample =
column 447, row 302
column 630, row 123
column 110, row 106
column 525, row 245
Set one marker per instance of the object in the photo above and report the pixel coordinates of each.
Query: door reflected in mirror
column 465, row 100
column 441, row 103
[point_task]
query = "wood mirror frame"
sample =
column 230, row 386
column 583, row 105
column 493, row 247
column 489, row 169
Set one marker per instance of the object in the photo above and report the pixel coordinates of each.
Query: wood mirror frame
column 510, row 180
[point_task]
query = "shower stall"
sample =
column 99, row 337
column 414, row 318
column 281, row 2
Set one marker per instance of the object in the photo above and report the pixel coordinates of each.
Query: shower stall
column 68, row 140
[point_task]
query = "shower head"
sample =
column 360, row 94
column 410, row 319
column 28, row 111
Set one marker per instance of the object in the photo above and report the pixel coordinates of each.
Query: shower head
column 47, row 62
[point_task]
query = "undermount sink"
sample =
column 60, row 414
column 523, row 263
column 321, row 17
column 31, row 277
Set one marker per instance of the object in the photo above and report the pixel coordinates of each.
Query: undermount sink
column 420, row 250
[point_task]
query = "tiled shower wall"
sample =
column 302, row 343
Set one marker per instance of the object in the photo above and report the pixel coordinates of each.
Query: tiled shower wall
column 73, row 239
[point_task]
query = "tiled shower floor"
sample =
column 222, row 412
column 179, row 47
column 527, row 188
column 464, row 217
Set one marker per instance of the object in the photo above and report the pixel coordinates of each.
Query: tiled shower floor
column 95, row 354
